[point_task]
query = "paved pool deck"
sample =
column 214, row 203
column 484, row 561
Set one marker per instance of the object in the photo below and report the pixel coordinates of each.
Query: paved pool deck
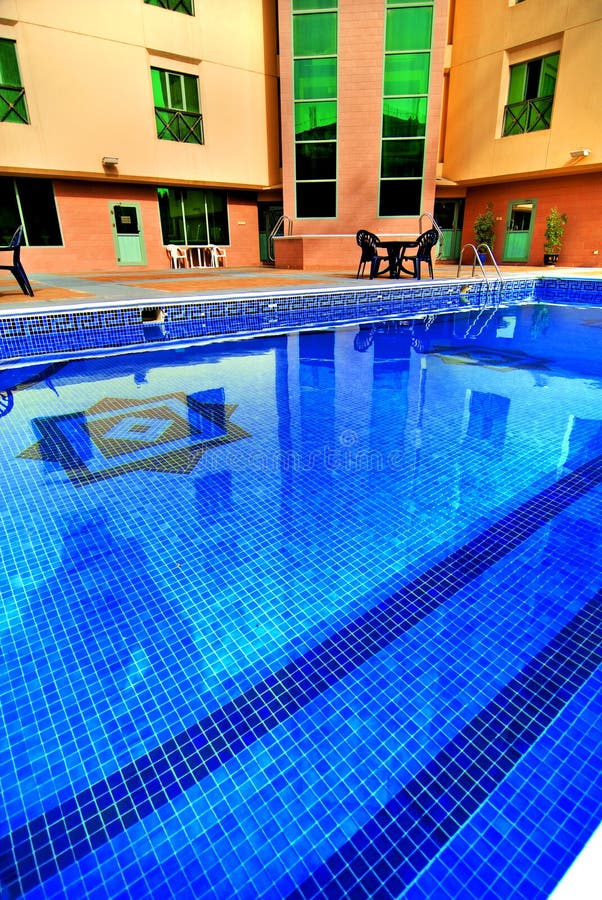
column 57, row 291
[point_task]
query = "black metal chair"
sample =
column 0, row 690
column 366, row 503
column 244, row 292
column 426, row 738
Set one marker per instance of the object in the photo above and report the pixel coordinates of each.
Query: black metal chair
column 17, row 266
column 423, row 246
column 369, row 244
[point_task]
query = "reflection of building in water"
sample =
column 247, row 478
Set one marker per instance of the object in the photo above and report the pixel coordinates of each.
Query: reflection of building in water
column 479, row 424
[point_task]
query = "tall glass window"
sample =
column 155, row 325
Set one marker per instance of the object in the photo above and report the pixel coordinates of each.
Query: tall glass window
column 193, row 216
column 29, row 202
column 315, row 25
column 408, row 37
column 12, row 93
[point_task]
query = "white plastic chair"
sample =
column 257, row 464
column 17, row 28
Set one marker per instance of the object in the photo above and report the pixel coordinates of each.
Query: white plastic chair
column 178, row 256
column 218, row 253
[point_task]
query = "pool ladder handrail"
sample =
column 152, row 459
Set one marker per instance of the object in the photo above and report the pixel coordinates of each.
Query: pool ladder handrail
column 486, row 250
column 283, row 220
column 434, row 224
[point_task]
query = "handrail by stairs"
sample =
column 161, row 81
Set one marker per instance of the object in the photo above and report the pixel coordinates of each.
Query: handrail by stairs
column 486, row 250
column 427, row 215
column 478, row 251
column 288, row 231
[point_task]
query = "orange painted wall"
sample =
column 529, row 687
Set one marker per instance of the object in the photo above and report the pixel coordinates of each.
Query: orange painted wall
column 84, row 215
column 579, row 196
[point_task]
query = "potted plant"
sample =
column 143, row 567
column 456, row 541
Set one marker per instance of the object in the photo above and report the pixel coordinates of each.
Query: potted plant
column 484, row 229
column 553, row 235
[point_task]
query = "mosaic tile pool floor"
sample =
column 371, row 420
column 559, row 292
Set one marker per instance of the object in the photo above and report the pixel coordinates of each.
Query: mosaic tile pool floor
column 304, row 616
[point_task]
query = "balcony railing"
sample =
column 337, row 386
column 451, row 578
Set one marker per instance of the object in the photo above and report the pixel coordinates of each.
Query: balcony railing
column 184, row 6
column 176, row 125
column 528, row 115
column 12, row 104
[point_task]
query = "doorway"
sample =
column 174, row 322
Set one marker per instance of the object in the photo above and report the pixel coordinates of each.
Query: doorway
column 519, row 230
column 449, row 216
column 269, row 215
column 128, row 239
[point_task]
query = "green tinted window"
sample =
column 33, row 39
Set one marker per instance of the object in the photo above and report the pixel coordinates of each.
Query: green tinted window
column 407, row 73
column 315, row 34
column 301, row 5
column 409, row 29
column 402, row 159
column 30, row 202
column 315, row 78
column 316, row 161
column 9, row 68
column 405, row 117
column 316, row 200
column 193, row 216
column 400, row 197
column 316, row 121
column 12, row 95
column 175, row 90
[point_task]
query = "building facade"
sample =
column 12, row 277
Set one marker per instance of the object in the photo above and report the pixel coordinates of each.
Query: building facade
column 128, row 126
column 522, row 125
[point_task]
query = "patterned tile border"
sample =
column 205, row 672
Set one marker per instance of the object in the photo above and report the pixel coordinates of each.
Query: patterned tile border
column 142, row 324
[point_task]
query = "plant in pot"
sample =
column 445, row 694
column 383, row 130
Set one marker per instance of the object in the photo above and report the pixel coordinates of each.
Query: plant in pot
column 552, row 236
column 484, row 230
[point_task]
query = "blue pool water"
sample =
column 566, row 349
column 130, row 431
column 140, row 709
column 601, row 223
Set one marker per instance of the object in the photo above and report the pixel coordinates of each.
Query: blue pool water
column 311, row 615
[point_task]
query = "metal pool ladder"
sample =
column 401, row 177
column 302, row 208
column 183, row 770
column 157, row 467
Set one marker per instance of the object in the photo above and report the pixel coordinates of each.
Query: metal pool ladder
column 286, row 224
column 493, row 288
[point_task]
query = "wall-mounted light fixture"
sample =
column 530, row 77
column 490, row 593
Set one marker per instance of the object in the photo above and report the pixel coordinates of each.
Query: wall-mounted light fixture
column 577, row 153
column 114, row 160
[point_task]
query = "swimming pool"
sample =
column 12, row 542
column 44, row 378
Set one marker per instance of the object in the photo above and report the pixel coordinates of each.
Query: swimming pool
column 312, row 614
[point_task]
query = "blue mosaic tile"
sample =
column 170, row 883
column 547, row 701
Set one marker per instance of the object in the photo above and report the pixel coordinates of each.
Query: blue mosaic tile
column 84, row 331
column 316, row 626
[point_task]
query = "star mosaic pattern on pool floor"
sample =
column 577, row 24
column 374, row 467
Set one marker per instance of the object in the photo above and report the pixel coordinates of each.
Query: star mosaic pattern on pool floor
column 119, row 435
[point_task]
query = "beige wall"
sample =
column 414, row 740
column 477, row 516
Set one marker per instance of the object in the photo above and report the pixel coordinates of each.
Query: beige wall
column 89, row 93
column 487, row 39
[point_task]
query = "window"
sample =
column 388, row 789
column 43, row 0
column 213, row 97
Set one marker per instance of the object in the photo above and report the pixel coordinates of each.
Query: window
column 405, row 103
column 183, row 6
column 531, row 95
column 315, row 96
column 30, row 202
column 193, row 216
column 12, row 93
column 177, row 108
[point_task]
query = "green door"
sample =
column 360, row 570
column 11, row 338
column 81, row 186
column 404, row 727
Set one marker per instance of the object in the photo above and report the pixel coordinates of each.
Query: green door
column 126, row 224
column 519, row 229
column 449, row 216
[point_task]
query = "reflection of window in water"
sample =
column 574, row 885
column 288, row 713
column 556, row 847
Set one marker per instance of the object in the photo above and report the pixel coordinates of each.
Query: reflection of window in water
column 207, row 412
column 487, row 419
column 505, row 327
column 582, row 441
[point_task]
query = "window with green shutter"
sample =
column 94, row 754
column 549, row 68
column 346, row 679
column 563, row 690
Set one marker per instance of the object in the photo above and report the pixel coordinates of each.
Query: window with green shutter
column 531, row 95
column 183, row 6
column 177, row 108
column 13, row 107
